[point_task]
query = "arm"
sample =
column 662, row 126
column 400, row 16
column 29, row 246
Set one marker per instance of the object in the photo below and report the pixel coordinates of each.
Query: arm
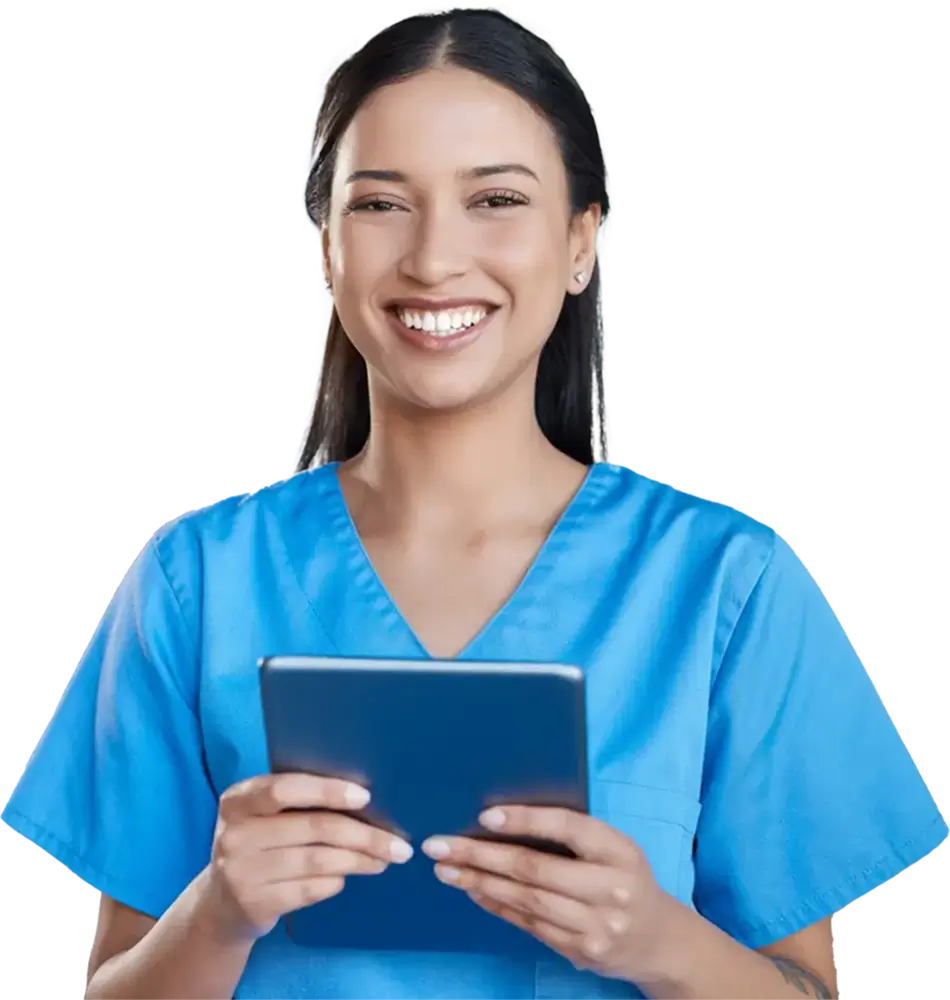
column 703, row 961
column 283, row 841
column 604, row 911
column 182, row 955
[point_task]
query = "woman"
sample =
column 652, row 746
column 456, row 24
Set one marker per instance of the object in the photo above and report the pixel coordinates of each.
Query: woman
column 746, row 780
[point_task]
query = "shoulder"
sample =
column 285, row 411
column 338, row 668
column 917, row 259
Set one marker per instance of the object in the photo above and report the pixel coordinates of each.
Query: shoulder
column 676, row 521
column 223, row 535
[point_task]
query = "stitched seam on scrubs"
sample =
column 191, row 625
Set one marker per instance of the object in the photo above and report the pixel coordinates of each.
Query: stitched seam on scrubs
column 893, row 863
column 187, row 630
column 732, row 632
column 319, row 622
column 111, row 884
column 545, row 563
column 653, row 818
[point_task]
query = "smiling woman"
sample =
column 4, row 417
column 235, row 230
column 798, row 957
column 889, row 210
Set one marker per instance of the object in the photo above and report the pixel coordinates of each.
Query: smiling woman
column 746, row 781
column 495, row 207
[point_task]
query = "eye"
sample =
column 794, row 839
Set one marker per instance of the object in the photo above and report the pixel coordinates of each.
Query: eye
column 501, row 199
column 373, row 205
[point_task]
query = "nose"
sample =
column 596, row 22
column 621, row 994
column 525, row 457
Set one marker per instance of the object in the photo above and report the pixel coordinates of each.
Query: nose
column 439, row 247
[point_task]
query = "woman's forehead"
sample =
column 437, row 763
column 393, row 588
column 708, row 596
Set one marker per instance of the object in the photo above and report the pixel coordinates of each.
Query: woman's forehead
column 446, row 119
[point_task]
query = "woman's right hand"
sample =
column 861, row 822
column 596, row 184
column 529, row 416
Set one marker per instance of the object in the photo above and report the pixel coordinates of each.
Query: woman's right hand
column 266, row 861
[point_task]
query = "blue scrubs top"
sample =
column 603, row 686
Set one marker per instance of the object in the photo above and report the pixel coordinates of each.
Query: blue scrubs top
column 734, row 733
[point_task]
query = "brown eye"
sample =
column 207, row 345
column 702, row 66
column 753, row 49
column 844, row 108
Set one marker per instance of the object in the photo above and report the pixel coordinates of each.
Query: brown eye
column 501, row 199
column 373, row 205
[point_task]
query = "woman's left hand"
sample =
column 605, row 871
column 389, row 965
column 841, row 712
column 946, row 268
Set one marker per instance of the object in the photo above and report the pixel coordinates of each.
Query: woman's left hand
column 600, row 910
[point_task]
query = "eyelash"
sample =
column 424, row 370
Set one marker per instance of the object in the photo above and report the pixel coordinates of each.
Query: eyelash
column 508, row 198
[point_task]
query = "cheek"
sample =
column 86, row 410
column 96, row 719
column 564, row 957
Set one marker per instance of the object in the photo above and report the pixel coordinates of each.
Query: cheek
column 357, row 263
column 362, row 254
column 529, row 257
column 530, row 252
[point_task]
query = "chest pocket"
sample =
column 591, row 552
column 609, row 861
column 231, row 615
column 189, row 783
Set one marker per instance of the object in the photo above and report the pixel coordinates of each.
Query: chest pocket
column 662, row 823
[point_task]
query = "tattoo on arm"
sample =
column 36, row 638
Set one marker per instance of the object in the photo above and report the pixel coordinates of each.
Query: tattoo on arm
column 800, row 978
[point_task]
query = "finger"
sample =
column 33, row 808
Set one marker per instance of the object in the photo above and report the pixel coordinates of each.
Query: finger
column 278, row 898
column 267, row 794
column 548, row 907
column 325, row 828
column 589, row 838
column 596, row 930
column 581, row 880
column 311, row 862
column 561, row 940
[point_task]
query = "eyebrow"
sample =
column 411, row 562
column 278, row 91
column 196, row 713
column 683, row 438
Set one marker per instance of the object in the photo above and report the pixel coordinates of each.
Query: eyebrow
column 398, row 177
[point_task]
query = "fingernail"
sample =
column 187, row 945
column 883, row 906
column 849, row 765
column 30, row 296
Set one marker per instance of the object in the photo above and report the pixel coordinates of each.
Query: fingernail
column 621, row 895
column 400, row 851
column 447, row 874
column 436, row 848
column 494, row 819
column 355, row 796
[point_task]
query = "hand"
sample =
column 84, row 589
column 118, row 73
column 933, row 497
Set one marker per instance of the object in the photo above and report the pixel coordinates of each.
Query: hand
column 266, row 862
column 598, row 910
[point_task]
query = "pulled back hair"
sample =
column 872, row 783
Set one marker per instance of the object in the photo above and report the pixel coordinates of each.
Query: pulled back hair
column 570, row 371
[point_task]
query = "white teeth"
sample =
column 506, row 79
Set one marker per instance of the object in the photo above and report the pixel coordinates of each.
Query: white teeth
column 443, row 323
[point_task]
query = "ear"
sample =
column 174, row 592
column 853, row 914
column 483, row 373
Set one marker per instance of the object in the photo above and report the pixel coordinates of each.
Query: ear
column 583, row 248
column 325, row 247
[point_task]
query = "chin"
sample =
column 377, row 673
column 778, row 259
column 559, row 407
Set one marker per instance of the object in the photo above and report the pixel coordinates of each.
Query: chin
column 457, row 387
column 463, row 385
column 444, row 399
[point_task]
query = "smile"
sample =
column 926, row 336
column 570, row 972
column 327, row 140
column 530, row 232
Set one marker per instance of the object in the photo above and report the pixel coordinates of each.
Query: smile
column 443, row 323
column 440, row 330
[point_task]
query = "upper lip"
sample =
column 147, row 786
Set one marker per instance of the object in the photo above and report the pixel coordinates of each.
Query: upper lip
column 438, row 305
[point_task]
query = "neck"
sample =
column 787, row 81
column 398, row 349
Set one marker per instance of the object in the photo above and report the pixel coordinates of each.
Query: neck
column 474, row 467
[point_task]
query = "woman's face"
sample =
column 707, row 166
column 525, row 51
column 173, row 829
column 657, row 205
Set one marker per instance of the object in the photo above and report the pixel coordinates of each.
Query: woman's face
column 450, row 244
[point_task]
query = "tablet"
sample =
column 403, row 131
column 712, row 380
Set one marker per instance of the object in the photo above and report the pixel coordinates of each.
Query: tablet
column 435, row 742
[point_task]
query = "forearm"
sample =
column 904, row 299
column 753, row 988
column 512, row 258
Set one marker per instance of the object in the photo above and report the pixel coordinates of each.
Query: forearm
column 185, row 956
column 697, row 960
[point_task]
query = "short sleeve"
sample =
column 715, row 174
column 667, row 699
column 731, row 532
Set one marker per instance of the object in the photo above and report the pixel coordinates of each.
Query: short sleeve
column 810, row 798
column 116, row 789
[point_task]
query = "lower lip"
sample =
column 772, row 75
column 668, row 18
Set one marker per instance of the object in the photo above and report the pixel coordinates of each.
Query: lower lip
column 440, row 344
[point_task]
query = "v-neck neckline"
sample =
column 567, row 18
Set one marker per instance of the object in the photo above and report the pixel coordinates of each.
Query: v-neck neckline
column 378, row 595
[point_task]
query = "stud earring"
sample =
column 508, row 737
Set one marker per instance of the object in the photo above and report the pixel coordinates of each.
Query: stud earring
column 580, row 277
